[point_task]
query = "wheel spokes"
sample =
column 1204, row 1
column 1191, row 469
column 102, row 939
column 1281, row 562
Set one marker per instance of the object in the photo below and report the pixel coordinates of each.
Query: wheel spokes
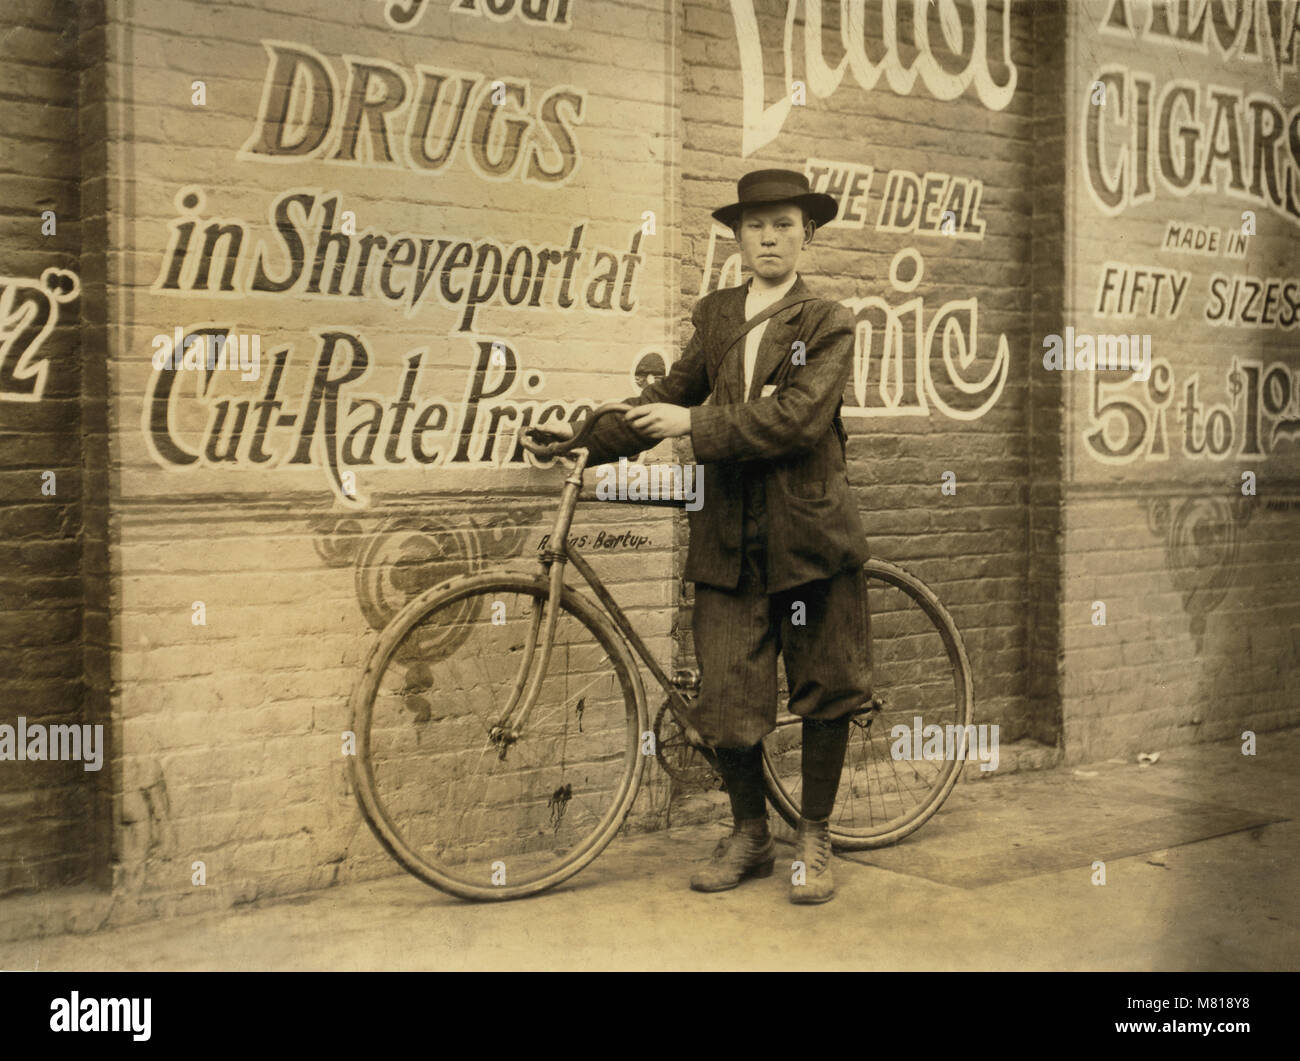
column 468, row 813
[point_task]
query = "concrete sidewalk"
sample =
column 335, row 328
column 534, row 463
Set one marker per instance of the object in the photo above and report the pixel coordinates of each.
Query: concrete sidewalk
column 1201, row 861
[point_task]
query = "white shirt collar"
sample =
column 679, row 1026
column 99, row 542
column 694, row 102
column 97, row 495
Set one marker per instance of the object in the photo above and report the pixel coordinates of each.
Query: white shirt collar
column 754, row 295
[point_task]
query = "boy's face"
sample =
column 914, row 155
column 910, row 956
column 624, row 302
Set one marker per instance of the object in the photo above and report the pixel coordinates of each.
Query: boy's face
column 771, row 239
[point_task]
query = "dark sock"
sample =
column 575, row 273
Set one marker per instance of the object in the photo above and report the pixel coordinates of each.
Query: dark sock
column 824, row 744
column 742, row 770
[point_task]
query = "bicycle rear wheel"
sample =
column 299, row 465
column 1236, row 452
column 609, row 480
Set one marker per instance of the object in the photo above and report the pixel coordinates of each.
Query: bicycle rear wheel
column 921, row 679
column 452, row 805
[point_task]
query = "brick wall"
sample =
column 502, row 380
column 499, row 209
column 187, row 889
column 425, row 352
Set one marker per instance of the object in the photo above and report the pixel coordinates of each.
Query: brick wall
column 45, row 817
column 101, row 268
column 1052, row 46
column 1198, row 578
column 248, row 591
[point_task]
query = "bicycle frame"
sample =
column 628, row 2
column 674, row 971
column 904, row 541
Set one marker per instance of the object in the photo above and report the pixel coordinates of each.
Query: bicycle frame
column 552, row 561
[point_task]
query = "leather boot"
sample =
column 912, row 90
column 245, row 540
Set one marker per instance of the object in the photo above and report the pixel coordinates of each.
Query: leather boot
column 812, row 847
column 747, row 851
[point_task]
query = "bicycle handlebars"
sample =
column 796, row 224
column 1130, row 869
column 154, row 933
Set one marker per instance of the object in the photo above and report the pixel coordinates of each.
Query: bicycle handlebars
column 554, row 449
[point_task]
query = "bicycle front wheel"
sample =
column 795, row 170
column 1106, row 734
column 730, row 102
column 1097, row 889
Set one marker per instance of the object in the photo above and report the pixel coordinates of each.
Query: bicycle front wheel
column 467, row 813
column 896, row 774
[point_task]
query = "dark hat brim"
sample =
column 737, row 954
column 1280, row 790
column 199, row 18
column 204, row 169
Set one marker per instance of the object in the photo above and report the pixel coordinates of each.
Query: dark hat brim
column 821, row 208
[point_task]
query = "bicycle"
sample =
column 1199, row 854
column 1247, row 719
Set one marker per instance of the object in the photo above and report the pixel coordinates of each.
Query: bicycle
column 476, row 791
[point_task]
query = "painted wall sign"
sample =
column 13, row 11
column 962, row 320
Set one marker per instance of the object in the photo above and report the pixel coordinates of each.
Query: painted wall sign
column 941, row 48
column 29, row 311
column 467, row 246
column 1188, row 142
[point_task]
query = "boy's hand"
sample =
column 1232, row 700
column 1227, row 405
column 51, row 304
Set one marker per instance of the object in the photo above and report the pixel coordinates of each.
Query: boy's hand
column 660, row 420
column 544, row 440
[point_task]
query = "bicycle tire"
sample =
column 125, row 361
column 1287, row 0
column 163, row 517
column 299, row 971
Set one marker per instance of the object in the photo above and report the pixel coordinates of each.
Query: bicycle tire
column 895, row 829
column 362, row 701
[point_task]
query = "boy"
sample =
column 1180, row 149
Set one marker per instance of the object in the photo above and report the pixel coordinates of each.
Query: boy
column 777, row 547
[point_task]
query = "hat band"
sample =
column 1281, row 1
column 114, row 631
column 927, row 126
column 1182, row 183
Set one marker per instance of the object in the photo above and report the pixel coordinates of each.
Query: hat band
column 773, row 190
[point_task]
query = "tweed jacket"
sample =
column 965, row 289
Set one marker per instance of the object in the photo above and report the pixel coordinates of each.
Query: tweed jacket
column 792, row 439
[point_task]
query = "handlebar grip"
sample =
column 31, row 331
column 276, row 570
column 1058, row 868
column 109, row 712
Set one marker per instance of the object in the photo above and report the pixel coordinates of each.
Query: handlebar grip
column 554, row 449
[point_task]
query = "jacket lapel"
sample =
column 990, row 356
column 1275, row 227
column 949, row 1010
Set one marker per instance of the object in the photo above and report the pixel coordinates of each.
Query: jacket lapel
column 730, row 316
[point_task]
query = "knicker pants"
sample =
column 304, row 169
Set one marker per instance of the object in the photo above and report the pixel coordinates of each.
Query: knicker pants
column 738, row 634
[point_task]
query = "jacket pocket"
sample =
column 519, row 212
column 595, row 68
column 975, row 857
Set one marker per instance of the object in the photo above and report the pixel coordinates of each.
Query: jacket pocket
column 806, row 477
column 806, row 488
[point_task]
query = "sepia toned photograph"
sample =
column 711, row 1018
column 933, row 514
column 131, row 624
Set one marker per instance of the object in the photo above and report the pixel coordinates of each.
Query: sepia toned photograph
column 650, row 485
